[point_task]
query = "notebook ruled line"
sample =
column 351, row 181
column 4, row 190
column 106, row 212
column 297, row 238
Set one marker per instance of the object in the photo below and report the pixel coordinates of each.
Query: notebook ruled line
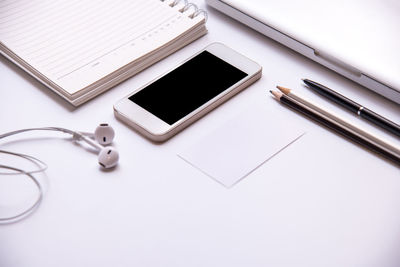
column 58, row 65
column 109, row 52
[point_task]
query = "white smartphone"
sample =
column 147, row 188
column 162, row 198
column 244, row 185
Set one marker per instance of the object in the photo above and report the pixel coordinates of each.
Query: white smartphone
column 179, row 97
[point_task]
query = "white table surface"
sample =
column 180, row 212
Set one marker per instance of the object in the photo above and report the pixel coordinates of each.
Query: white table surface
column 323, row 201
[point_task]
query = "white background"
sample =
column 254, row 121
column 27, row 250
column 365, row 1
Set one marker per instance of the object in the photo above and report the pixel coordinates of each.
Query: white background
column 323, row 201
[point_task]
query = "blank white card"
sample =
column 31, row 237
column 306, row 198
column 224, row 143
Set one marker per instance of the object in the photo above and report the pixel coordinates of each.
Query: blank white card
column 235, row 149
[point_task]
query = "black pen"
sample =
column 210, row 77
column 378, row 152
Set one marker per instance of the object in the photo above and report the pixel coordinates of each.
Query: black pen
column 354, row 107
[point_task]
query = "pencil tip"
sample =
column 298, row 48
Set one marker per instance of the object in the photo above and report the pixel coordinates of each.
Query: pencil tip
column 303, row 79
column 283, row 89
column 276, row 94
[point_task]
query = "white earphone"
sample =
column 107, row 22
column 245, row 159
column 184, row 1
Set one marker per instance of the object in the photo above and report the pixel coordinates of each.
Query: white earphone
column 104, row 135
column 100, row 140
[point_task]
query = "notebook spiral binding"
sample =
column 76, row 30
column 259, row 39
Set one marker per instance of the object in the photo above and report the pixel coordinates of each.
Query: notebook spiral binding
column 187, row 6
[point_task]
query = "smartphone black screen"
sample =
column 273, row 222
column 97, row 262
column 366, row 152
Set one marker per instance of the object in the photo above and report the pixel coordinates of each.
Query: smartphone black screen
column 187, row 87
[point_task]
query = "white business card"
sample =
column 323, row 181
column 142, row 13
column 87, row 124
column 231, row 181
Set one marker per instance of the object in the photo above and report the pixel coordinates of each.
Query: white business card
column 235, row 149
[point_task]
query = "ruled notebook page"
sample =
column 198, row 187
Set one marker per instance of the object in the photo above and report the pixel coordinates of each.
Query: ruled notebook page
column 77, row 42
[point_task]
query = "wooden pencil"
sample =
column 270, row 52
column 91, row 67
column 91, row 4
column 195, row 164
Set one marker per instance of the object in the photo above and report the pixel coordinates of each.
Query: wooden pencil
column 346, row 123
column 326, row 120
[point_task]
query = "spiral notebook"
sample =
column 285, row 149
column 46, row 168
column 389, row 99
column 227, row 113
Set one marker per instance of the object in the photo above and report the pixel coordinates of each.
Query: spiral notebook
column 81, row 48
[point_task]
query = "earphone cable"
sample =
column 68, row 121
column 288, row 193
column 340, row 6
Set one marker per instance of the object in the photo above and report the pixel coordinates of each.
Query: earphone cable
column 41, row 165
column 26, row 212
column 59, row 129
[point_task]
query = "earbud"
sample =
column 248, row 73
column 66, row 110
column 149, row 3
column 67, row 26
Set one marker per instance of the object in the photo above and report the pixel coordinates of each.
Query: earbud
column 108, row 156
column 104, row 134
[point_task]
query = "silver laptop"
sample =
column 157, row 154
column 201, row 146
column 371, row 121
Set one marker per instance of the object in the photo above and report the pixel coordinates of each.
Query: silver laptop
column 356, row 38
